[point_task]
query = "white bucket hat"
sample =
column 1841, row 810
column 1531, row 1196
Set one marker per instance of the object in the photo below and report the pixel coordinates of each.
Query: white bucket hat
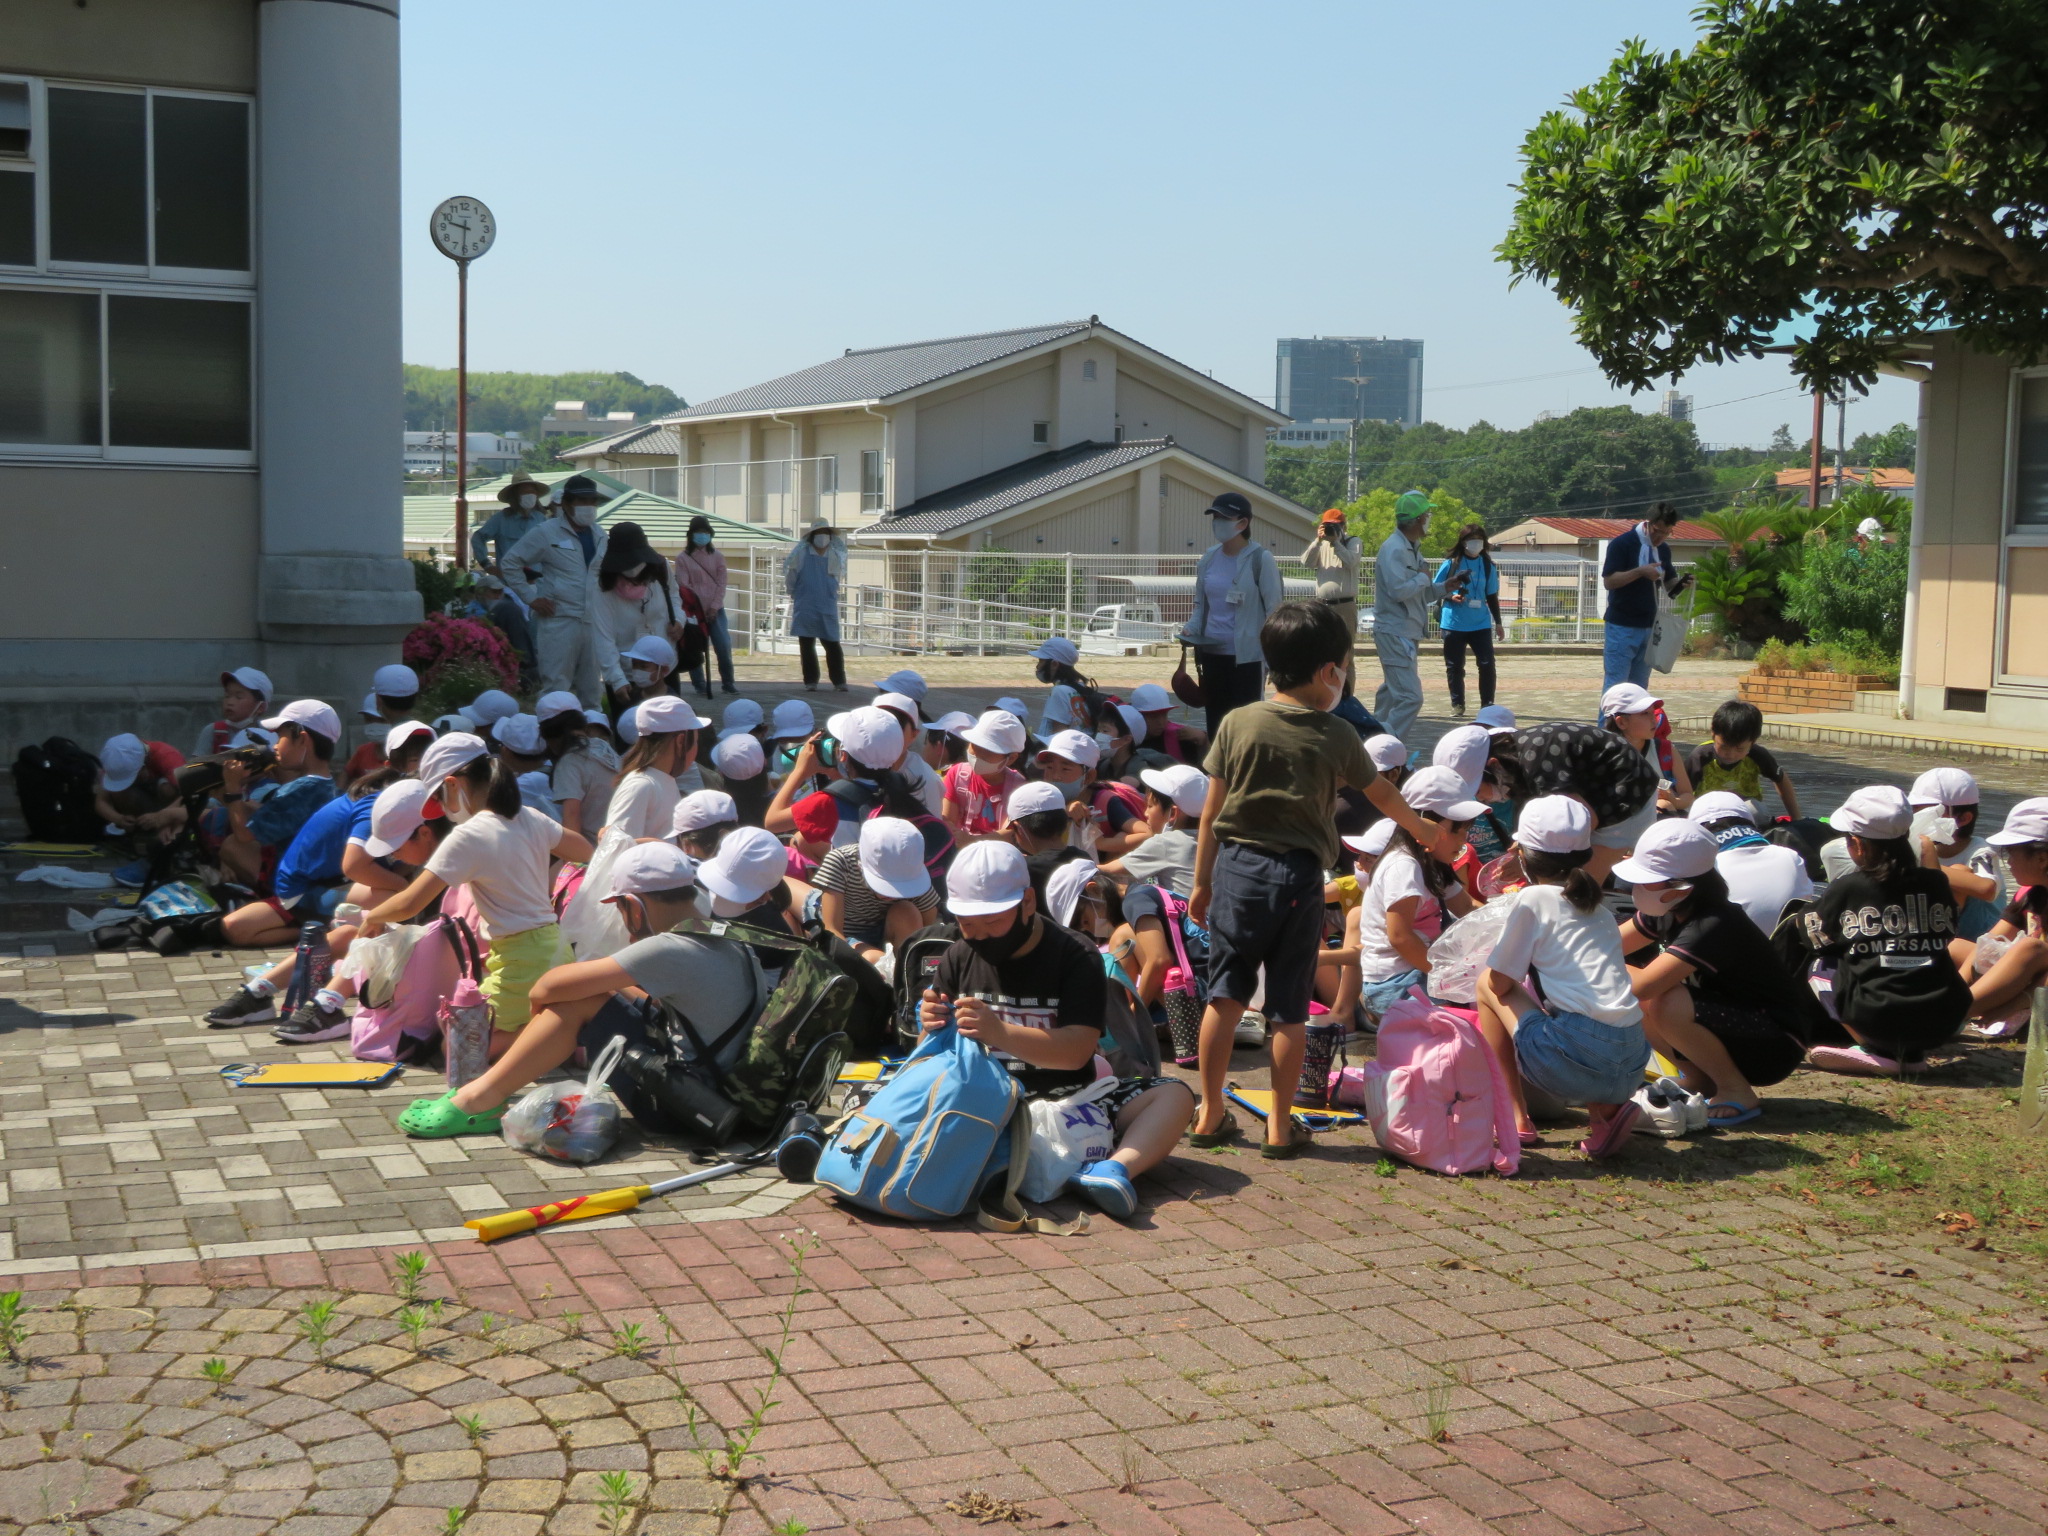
column 892, row 858
column 998, row 731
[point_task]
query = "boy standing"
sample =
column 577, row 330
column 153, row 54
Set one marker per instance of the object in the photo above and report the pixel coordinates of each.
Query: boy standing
column 1267, row 836
column 1735, row 763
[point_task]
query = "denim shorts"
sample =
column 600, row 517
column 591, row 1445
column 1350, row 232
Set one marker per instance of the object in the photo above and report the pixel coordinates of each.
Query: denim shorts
column 1379, row 996
column 1267, row 911
column 1581, row 1060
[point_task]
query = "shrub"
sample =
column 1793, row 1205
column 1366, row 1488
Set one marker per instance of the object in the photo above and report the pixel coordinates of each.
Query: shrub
column 439, row 586
column 449, row 652
column 1852, row 595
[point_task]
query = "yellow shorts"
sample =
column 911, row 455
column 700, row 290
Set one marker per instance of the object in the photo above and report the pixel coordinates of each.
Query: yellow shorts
column 515, row 963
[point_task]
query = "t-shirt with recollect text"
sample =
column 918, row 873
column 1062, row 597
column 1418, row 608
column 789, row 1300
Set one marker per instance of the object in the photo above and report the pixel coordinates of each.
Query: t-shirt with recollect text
column 1059, row 982
column 1281, row 765
column 504, row 862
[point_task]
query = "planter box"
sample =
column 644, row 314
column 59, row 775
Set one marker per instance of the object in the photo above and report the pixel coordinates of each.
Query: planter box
column 1778, row 691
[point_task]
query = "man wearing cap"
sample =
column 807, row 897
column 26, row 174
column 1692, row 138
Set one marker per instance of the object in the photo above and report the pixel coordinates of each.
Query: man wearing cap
column 812, row 575
column 1237, row 586
column 307, row 732
column 1332, row 559
column 243, row 694
column 1403, row 594
column 553, row 568
column 1033, row 995
column 521, row 513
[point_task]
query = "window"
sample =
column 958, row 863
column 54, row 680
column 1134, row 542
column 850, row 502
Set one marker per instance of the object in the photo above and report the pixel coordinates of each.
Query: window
column 1088, row 369
column 871, row 479
column 177, row 373
column 99, row 177
column 828, row 475
column 2030, row 452
column 17, row 179
column 1041, row 432
column 202, row 189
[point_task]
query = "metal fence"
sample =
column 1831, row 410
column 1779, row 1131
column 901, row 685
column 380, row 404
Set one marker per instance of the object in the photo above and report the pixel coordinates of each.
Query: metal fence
column 996, row 602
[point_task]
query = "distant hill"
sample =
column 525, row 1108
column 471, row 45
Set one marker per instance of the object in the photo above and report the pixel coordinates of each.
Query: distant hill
column 515, row 402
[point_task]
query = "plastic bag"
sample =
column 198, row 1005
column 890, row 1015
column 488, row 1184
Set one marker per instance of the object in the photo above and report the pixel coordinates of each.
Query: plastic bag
column 1932, row 821
column 592, row 925
column 1990, row 950
column 1457, row 958
column 569, row 1122
column 377, row 962
column 1066, row 1135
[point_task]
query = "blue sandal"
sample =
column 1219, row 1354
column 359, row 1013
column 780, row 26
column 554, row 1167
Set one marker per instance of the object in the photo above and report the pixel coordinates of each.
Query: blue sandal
column 1744, row 1113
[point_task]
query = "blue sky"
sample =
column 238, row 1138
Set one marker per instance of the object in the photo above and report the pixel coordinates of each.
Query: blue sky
column 709, row 196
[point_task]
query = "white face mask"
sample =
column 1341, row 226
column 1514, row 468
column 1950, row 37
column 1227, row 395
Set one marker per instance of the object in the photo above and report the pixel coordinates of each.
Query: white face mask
column 1473, row 546
column 455, row 805
column 821, row 542
column 583, row 513
column 1104, row 743
column 1225, row 528
column 1655, row 903
column 526, row 503
column 988, row 769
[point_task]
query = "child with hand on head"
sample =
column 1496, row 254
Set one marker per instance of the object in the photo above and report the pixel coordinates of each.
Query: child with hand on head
column 1584, row 1042
column 1414, row 889
column 1268, row 833
column 501, row 851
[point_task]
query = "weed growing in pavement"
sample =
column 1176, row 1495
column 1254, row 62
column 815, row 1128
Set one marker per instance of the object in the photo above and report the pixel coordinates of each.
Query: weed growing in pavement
column 472, row 1425
column 573, row 1321
column 417, row 1319
column 217, row 1371
column 317, row 1326
column 453, row 1521
column 629, row 1340
column 13, row 1331
column 1132, row 1463
column 727, row 1463
column 789, row 1527
column 1436, row 1411
column 616, row 1497
column 409, row 1269
column 1385, row 1168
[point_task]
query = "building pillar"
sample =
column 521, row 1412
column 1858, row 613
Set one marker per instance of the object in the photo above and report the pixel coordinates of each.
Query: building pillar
column 335, row 591
column 1151, row 487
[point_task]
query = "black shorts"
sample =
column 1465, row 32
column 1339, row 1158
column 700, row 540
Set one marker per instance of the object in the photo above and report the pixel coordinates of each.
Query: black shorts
column 1762, row 1048
column 1266, row 910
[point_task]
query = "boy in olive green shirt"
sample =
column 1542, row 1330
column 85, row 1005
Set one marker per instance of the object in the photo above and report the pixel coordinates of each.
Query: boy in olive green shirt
column 1268, row 835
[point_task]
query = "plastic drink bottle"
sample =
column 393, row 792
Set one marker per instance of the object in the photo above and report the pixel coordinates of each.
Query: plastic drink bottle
column 466, row 1019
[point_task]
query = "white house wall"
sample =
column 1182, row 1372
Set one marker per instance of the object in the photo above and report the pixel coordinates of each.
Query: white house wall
column 984, row 426
column 1145, row 410
column 1103, row 524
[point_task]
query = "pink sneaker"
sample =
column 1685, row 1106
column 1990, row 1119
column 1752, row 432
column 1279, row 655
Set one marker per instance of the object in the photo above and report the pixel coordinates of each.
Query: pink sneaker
column 1852, row 1060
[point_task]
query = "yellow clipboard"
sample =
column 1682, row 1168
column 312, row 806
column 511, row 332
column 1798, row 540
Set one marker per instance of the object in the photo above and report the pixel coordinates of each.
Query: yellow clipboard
column 311, row 1074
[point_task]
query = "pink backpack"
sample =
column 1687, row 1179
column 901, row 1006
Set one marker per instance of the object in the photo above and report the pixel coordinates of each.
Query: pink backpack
column 445, row 952
column 1435, row 1095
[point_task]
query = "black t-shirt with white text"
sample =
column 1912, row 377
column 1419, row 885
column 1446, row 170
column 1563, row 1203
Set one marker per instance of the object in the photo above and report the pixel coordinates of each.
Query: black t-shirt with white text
column 1058, row 983
column 1889, row 940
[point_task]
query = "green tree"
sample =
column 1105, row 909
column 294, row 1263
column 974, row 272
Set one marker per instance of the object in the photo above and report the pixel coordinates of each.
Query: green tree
column 1311, row 477
column 1371, row 520
column 516, row 402
column 546, row 455
column 1866, row 171
column 1890, row 449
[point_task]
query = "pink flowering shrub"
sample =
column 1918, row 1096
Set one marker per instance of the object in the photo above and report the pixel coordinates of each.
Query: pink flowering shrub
column 441, row 644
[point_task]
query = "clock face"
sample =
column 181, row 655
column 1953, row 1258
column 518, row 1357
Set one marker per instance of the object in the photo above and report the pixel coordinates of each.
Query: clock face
column 463, row 228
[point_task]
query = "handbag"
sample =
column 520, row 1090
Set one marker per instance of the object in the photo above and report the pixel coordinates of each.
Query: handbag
column 1185, row 686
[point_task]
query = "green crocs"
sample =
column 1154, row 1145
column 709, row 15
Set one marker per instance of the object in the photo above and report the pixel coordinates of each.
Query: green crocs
column 432, row 1119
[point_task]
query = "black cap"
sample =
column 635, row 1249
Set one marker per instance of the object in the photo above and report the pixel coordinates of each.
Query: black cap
column 1230, row 504
column 583, row 488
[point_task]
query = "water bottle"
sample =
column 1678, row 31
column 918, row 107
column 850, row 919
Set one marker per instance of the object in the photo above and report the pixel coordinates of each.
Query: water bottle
column 466, row 1021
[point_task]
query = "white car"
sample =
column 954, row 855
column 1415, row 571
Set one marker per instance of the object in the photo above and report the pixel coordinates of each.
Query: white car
column 1121, row 629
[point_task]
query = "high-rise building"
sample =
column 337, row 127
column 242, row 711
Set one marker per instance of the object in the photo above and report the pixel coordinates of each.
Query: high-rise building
column 1349, row 378
column 1675, row 406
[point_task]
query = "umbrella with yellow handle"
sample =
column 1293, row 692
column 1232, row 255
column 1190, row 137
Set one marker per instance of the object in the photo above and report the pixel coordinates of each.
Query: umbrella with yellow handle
column 610, row 1202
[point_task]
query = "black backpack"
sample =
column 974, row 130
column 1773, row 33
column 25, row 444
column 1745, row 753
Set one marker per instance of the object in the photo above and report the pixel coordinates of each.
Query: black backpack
column 54, row 783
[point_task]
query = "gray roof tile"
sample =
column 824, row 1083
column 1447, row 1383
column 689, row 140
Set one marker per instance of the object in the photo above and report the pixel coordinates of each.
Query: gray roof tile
column 985, row 496
column 649, row 437
column 879, row 372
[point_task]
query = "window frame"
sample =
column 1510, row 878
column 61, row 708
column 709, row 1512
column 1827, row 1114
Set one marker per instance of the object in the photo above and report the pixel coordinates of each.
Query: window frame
column 2013, row 535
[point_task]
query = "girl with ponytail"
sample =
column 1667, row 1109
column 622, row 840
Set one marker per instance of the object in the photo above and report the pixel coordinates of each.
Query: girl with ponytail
column 501, row 850
column 1583, row 1043
column 644, row 804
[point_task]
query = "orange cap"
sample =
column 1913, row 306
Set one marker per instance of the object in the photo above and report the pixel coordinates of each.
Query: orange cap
column 1333, row 515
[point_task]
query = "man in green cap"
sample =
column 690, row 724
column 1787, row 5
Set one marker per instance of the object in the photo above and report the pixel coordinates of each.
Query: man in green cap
column 1402, row 597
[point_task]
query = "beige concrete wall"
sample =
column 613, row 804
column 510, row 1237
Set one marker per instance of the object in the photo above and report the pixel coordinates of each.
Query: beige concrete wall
column 202, row 44
column 96, row 553
column 1153, row 407
column 983, row 425
column 2026, row 613
column 1098, row 522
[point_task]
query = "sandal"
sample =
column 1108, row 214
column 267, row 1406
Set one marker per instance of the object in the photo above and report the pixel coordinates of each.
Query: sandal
column 435, row 1119
column 1208, row 1141
column 1613, row 1132
column 1298, row 1141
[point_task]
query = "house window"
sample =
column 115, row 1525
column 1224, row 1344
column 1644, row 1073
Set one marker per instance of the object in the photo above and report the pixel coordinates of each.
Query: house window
column 871, row 479
column 2030, row 452
column 17, row 178
column 1088, row 370
column 176, row 375
column 828, row 475
column 1041, row 432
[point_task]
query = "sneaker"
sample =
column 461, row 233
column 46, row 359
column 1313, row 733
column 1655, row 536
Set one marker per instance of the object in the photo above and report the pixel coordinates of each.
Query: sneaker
column 245, row 1007
column 132, row 875
column 1251, row 1031
column 1695, row 1104
column 312, row 1024
column 1661, row 1115
column 1109, row 1187
column 1457, row 711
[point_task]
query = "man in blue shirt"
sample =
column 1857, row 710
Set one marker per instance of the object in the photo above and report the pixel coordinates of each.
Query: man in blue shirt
column 1636, row 563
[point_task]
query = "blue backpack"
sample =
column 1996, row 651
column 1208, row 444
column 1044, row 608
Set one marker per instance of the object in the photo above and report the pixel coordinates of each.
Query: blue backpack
column 931, row 1136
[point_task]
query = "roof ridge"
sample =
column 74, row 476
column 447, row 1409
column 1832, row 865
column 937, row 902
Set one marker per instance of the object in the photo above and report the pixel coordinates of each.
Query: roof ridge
column 943, row 341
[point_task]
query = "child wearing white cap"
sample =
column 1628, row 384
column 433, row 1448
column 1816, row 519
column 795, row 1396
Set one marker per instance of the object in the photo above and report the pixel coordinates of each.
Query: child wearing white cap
column 243, row 694
column 1715, row 996
column 579, row 778
column 643, row 805
column 1075, row 703
column 1033, row 994
column 1637, row 717
column 1944, row 801
column 739, row 766
column 1107, row 818
column 1763, row 877
column 2012, row 959
column 1163, row 733
column 977, row 798
column 1583, row 1043
column 877, row 891
column 702, row 820
column 1414, row 890
column 1887, row 926
column 260, row 829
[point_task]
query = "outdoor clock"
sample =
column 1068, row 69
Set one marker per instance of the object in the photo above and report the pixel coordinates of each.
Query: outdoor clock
column 463, row 228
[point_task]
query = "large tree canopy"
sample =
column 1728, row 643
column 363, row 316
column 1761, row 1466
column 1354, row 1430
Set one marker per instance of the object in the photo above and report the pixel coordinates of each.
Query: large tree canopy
column 1880, row 166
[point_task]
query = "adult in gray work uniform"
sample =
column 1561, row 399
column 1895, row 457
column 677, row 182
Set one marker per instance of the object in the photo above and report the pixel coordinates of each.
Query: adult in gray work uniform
column 1402, row 596
column 521, row 514
column 554, row 570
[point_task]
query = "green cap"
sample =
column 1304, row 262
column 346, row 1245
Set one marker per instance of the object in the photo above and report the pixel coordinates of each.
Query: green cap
column 1413, row 504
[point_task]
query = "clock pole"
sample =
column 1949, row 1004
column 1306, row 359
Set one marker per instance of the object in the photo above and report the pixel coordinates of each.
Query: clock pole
column 461, row 415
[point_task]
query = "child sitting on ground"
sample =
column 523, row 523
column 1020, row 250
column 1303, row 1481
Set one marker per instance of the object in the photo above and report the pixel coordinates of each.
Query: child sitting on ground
column 1887, row 925
column 1733, row 761
column 1414, row 889
column 2009, row 962
column 1268, row 834
column 1584, row 1042
column 977, row 798
column 1970, row 862
column 244, row 693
